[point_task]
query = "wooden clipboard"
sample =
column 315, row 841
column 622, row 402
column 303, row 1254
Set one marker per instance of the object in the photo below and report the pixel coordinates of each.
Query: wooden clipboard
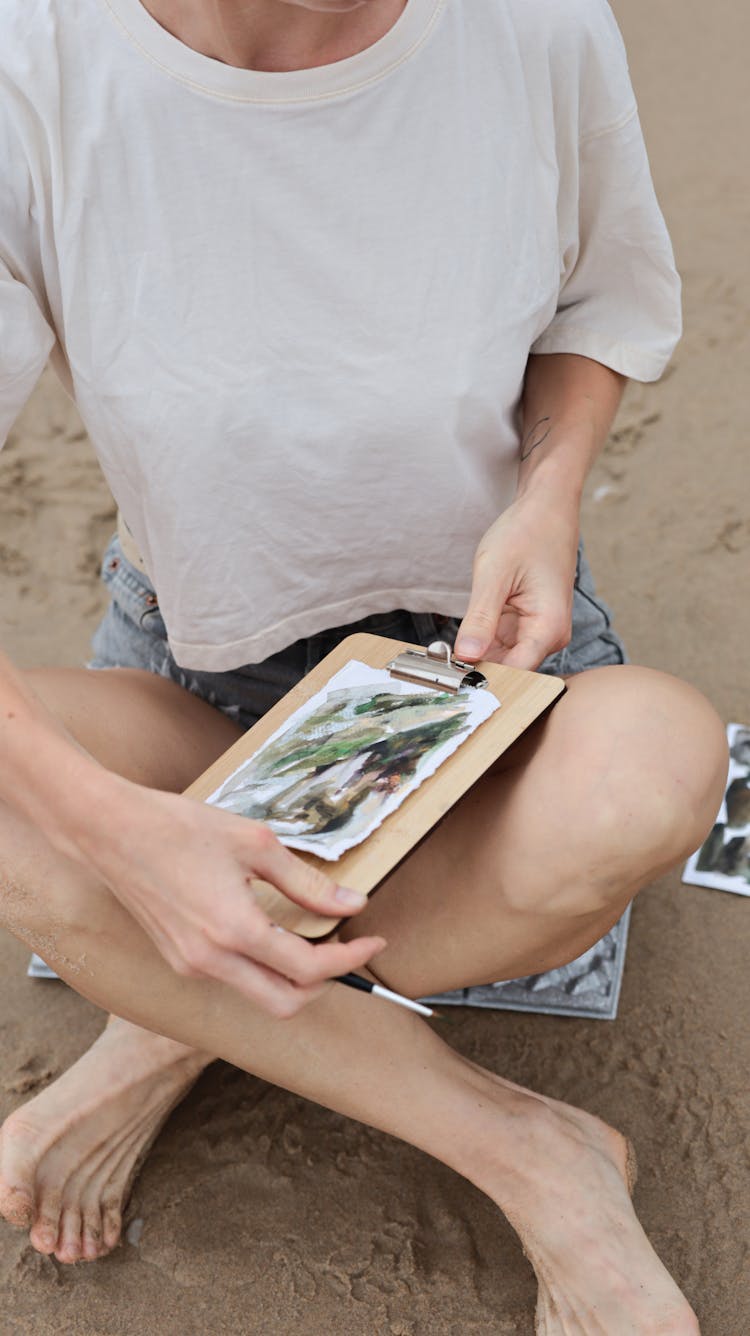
column 523, row 697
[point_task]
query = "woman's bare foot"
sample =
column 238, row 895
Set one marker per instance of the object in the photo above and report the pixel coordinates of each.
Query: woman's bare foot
column 568, row 1197
column 68, row 1158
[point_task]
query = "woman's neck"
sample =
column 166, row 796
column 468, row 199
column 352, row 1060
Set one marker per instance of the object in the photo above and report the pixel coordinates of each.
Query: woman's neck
column 276, row 35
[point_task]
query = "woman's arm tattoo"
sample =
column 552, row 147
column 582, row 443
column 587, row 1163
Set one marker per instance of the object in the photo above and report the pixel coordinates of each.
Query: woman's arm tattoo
column 535, row 437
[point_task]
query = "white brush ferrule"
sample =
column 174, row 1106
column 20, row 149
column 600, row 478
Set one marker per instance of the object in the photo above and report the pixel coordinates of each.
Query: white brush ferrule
column 408, row 1002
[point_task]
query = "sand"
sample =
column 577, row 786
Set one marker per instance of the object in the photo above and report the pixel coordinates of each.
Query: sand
column 263, row 1214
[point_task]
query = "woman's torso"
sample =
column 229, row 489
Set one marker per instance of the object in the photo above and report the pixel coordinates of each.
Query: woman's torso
column 295, row 310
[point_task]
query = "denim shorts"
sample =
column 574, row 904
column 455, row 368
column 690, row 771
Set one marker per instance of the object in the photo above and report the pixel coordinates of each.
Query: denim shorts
column 132, row 634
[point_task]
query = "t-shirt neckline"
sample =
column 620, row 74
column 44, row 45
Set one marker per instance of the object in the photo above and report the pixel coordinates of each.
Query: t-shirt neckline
column 211, row 76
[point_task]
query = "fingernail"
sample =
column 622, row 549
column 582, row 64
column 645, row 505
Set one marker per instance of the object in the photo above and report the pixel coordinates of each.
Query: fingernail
column 471, row 648
column 354, row 899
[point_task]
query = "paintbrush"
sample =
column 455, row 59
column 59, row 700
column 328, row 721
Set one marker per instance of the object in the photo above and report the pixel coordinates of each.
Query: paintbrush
column 365, row 986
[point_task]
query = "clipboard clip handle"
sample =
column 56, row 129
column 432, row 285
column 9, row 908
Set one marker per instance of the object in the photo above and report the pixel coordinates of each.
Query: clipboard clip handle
column 436, row 666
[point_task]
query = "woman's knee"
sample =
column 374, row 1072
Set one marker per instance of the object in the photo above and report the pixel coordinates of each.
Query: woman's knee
column 629, row 774
column 657, row 757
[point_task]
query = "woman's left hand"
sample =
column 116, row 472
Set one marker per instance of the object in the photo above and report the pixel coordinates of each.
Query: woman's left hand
column 522, row 590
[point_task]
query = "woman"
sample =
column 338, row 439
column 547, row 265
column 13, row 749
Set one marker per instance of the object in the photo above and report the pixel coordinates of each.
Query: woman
column 335, row 286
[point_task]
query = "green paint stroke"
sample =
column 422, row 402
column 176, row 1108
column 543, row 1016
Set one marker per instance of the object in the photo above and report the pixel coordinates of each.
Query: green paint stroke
column 353, row 752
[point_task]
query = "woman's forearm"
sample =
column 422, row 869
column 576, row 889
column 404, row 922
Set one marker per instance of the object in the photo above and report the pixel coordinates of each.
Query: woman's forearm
column 568, row 407
column 45, row 776
column 522, row 586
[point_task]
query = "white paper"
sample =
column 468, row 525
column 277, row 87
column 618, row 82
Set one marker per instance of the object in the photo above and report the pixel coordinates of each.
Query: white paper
column 348, row 757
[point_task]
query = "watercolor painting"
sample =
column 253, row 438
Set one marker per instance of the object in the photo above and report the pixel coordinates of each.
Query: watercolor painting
column 349, row 757
column 723, row 860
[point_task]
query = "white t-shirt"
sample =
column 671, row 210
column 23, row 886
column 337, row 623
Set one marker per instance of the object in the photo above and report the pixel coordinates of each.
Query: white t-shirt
column 295, row 309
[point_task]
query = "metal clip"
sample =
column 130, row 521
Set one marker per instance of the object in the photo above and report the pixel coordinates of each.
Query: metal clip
column 435, row 666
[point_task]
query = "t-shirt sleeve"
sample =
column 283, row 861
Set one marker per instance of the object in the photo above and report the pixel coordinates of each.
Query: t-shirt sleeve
column 619, row 300
column 25, row 344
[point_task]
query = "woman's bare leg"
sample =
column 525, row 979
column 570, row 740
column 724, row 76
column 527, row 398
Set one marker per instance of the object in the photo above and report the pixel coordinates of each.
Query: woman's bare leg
column 85, row 1136
column 648, row 763
column 618, row 783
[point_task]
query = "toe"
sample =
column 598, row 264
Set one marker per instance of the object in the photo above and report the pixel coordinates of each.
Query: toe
column 69, row 1243
column 16, row 1204
column 17, row 1171
column 92, row 1230
column 93, row 1241
column 45, row 1231
column 111, row 1223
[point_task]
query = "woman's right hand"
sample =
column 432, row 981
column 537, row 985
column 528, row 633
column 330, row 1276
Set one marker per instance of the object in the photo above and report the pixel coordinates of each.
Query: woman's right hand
column 184, row 870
